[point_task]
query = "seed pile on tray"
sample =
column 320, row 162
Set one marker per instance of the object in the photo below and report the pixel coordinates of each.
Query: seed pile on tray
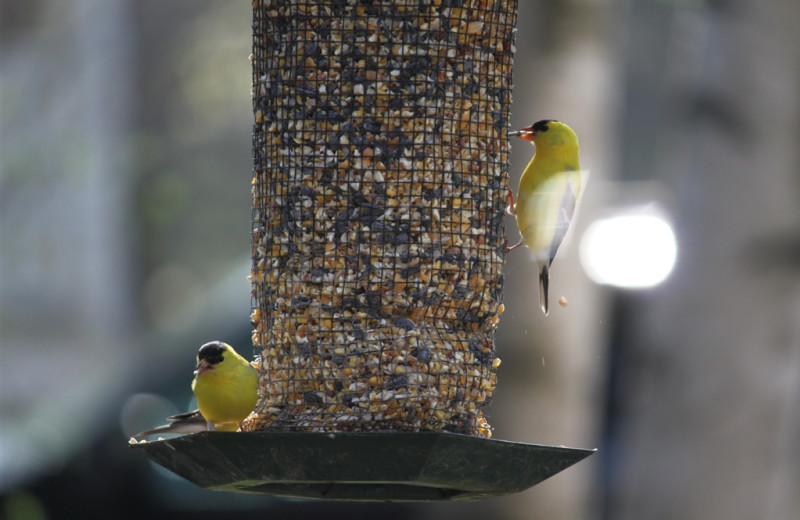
column 379, row 189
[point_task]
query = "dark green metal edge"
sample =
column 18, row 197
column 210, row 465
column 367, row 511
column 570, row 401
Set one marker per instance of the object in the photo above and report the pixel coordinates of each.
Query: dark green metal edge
column 360, row 466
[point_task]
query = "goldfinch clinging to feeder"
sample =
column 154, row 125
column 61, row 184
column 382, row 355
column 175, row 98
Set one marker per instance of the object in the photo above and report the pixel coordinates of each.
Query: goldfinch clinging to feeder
column 226, row 388
column 548, row 193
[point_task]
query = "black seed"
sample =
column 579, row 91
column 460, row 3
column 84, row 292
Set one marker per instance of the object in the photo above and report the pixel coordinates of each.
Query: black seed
column 301, row 302
column 480, row 351
column 306, row 89
column 303, row 349
column 410, row 271
column 404, row 323
column 423, row 354
column 312, row 50
column 312, row 398
column 395, row 382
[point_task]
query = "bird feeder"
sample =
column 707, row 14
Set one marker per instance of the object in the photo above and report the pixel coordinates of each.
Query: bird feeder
column 379, row 189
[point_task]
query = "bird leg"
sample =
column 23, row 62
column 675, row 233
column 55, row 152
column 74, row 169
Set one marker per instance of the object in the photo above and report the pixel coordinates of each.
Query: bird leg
column 510, row 209
column 210, row 426
column 509, row 249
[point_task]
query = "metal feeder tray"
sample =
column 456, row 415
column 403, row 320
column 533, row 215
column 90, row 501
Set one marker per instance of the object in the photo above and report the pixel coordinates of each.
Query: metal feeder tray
column 360, row 466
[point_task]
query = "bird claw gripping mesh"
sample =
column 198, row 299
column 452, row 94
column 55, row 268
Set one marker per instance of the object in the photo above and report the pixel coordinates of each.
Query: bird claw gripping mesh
column 379, row 188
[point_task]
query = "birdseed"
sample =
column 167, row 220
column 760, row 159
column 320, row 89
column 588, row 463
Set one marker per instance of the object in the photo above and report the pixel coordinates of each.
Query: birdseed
column 379, row 189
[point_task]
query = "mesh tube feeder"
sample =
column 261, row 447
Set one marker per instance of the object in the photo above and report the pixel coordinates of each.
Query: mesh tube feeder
column 379, row 189
column 379, row 193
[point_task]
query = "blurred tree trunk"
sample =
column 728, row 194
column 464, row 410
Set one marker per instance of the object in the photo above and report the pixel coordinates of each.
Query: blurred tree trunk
column 65, row 258
column 708, row 388
column 550, row 382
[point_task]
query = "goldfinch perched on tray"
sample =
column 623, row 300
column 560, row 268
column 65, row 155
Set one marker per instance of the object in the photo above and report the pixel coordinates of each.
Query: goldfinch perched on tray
column 226, row 387
column 548, row 194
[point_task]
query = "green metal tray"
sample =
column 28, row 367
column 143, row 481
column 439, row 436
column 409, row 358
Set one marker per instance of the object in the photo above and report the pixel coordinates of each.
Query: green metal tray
column 375, row 466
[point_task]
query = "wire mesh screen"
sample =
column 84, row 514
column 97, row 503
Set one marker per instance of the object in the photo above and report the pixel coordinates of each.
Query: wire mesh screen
column 379, row 188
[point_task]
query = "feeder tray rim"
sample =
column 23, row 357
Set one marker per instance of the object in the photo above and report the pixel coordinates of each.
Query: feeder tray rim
column 360, row 466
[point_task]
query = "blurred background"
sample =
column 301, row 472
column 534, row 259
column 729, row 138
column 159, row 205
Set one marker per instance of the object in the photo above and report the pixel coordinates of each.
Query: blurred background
column 124, row 244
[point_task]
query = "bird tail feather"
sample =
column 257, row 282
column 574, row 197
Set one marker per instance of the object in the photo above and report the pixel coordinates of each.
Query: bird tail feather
column 189, row 422
column 544, row 286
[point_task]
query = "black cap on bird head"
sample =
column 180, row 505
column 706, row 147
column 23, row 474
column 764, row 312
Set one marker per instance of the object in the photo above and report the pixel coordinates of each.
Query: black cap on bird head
column 529, row 132
column 212, row 352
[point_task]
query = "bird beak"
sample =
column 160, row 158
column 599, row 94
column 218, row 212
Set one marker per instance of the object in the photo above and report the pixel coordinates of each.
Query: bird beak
column 524, row 133
column 202, row 367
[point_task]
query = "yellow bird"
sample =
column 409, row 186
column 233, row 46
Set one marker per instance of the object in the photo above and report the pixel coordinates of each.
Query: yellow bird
column 548, row 193
column 225, row 384
column 226, row 388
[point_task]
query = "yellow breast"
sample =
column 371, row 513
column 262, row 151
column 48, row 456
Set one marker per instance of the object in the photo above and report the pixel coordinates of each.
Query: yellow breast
column 546, row 199
column 227, row 395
